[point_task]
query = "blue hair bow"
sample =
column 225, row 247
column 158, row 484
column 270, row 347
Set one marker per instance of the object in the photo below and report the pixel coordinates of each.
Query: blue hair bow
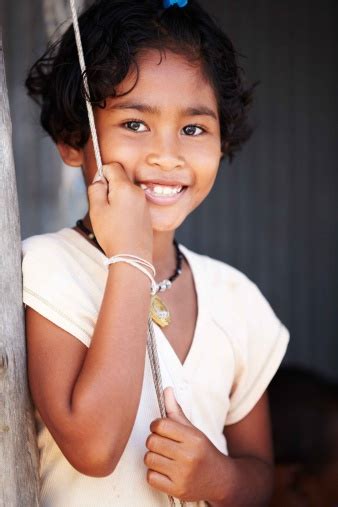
column 169, row 3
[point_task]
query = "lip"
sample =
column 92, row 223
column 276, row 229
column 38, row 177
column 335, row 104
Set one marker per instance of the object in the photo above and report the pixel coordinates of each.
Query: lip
column 164, row 200
column 159, row 181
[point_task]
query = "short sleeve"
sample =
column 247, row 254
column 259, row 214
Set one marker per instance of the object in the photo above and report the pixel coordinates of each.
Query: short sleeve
column 259, row 354
column 54, row 286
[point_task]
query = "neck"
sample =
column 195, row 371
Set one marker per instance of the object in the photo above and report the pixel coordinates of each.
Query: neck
column 164, row 255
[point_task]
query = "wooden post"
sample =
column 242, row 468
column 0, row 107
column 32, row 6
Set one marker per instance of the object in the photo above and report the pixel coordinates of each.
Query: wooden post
column 19, row 480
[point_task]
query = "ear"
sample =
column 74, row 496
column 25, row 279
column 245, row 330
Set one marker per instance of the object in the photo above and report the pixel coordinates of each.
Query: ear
column 71, row 156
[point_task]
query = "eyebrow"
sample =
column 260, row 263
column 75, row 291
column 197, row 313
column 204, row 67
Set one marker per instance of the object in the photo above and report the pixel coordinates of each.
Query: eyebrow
column 146, row 108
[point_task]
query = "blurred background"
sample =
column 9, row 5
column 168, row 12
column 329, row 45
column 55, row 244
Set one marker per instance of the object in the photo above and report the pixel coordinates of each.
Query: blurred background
column 273, row 212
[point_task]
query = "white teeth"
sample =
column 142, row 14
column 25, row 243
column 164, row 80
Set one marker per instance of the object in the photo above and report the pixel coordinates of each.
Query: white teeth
column 162, row 189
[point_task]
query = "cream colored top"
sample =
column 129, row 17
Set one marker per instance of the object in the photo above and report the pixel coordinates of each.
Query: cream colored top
column 237, row 347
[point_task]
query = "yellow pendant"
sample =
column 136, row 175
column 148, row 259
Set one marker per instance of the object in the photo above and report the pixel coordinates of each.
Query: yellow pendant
column 159, row 312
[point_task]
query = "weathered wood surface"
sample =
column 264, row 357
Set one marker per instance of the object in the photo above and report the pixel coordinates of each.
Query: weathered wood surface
column 19, row 482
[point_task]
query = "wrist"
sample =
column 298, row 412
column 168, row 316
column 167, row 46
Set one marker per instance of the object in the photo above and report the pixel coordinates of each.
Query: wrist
column 143, row 254
column 240, row 477
column 222, row 494
column 137, row 263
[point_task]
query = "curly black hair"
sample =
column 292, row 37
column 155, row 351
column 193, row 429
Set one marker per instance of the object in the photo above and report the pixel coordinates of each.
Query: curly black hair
column 113, row 32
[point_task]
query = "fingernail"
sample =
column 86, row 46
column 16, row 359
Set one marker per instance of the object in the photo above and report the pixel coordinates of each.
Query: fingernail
column 97, row 177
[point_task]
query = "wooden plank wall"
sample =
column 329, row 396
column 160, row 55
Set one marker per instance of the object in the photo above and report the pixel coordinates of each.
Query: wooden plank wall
column 272, row 213
column 18, row 455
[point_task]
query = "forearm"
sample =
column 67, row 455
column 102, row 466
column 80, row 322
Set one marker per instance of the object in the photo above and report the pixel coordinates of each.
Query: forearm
column 243, row 482
column 106, row 395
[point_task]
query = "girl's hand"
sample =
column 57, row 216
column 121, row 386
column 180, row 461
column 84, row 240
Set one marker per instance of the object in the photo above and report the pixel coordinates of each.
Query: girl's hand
column 181, row 461
column 119, row 214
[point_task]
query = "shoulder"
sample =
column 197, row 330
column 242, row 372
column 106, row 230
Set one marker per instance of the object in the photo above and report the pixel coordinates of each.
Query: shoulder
column 48, row 264
column 63, row 280
column 49, row 243
column 51, row 257
column 64, row 248
column 61, row 241
column 42, row 252
column 61, row 260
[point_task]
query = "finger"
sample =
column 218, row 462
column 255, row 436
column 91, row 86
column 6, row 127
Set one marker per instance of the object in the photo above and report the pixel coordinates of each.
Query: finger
column 173, row 409
column 162, row 446
column 114, row 173
column 97, row 178
column 98, row 191
column 171, row 429
column 159, row 463
column 160, row 482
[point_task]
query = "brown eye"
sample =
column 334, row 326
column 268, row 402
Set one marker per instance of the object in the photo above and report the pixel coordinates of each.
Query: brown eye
column 134, row 125
column 192, row 130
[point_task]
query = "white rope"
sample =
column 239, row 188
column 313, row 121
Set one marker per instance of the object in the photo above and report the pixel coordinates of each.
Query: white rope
column 148, row 264
column 151, row 341
column 85, row 82
column 138, row 264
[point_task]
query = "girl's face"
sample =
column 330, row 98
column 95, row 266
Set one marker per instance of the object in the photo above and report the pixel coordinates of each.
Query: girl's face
column 166, row 135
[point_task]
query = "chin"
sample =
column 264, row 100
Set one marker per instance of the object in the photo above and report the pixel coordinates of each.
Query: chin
column 163, row 227
column 163, row 222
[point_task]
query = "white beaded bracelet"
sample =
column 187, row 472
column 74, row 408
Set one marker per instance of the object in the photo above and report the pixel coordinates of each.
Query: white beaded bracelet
column 139, row 263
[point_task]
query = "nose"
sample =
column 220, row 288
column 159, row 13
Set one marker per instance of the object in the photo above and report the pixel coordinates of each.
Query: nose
column 165, row 153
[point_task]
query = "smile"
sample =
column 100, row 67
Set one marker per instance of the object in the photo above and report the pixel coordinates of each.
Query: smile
column 162, row 194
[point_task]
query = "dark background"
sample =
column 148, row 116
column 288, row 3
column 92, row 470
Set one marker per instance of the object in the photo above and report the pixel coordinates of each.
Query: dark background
column 272, row 213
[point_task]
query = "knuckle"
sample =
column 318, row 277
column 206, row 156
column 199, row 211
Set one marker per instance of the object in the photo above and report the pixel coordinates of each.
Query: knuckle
column 112, row 170
column 111, row 166
column 149, row 459
column 163, row 425
column 155, row 425
column 150, row 443
column 190, row 458
column 150, row 477
column 94, row 188
column 181, row 492
column 146, row 458
column 107, row 169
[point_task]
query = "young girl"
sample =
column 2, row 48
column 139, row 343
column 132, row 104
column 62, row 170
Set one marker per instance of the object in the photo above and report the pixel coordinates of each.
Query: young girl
column 169, row 103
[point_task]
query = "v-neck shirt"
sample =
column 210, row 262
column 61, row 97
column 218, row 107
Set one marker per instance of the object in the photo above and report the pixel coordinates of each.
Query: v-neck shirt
column 237, row 346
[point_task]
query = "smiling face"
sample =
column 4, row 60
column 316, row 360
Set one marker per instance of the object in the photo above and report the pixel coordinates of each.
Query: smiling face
column 166, row 135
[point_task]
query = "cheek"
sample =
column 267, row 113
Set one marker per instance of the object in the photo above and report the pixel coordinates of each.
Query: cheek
column 206, row 168
column 122, row 151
